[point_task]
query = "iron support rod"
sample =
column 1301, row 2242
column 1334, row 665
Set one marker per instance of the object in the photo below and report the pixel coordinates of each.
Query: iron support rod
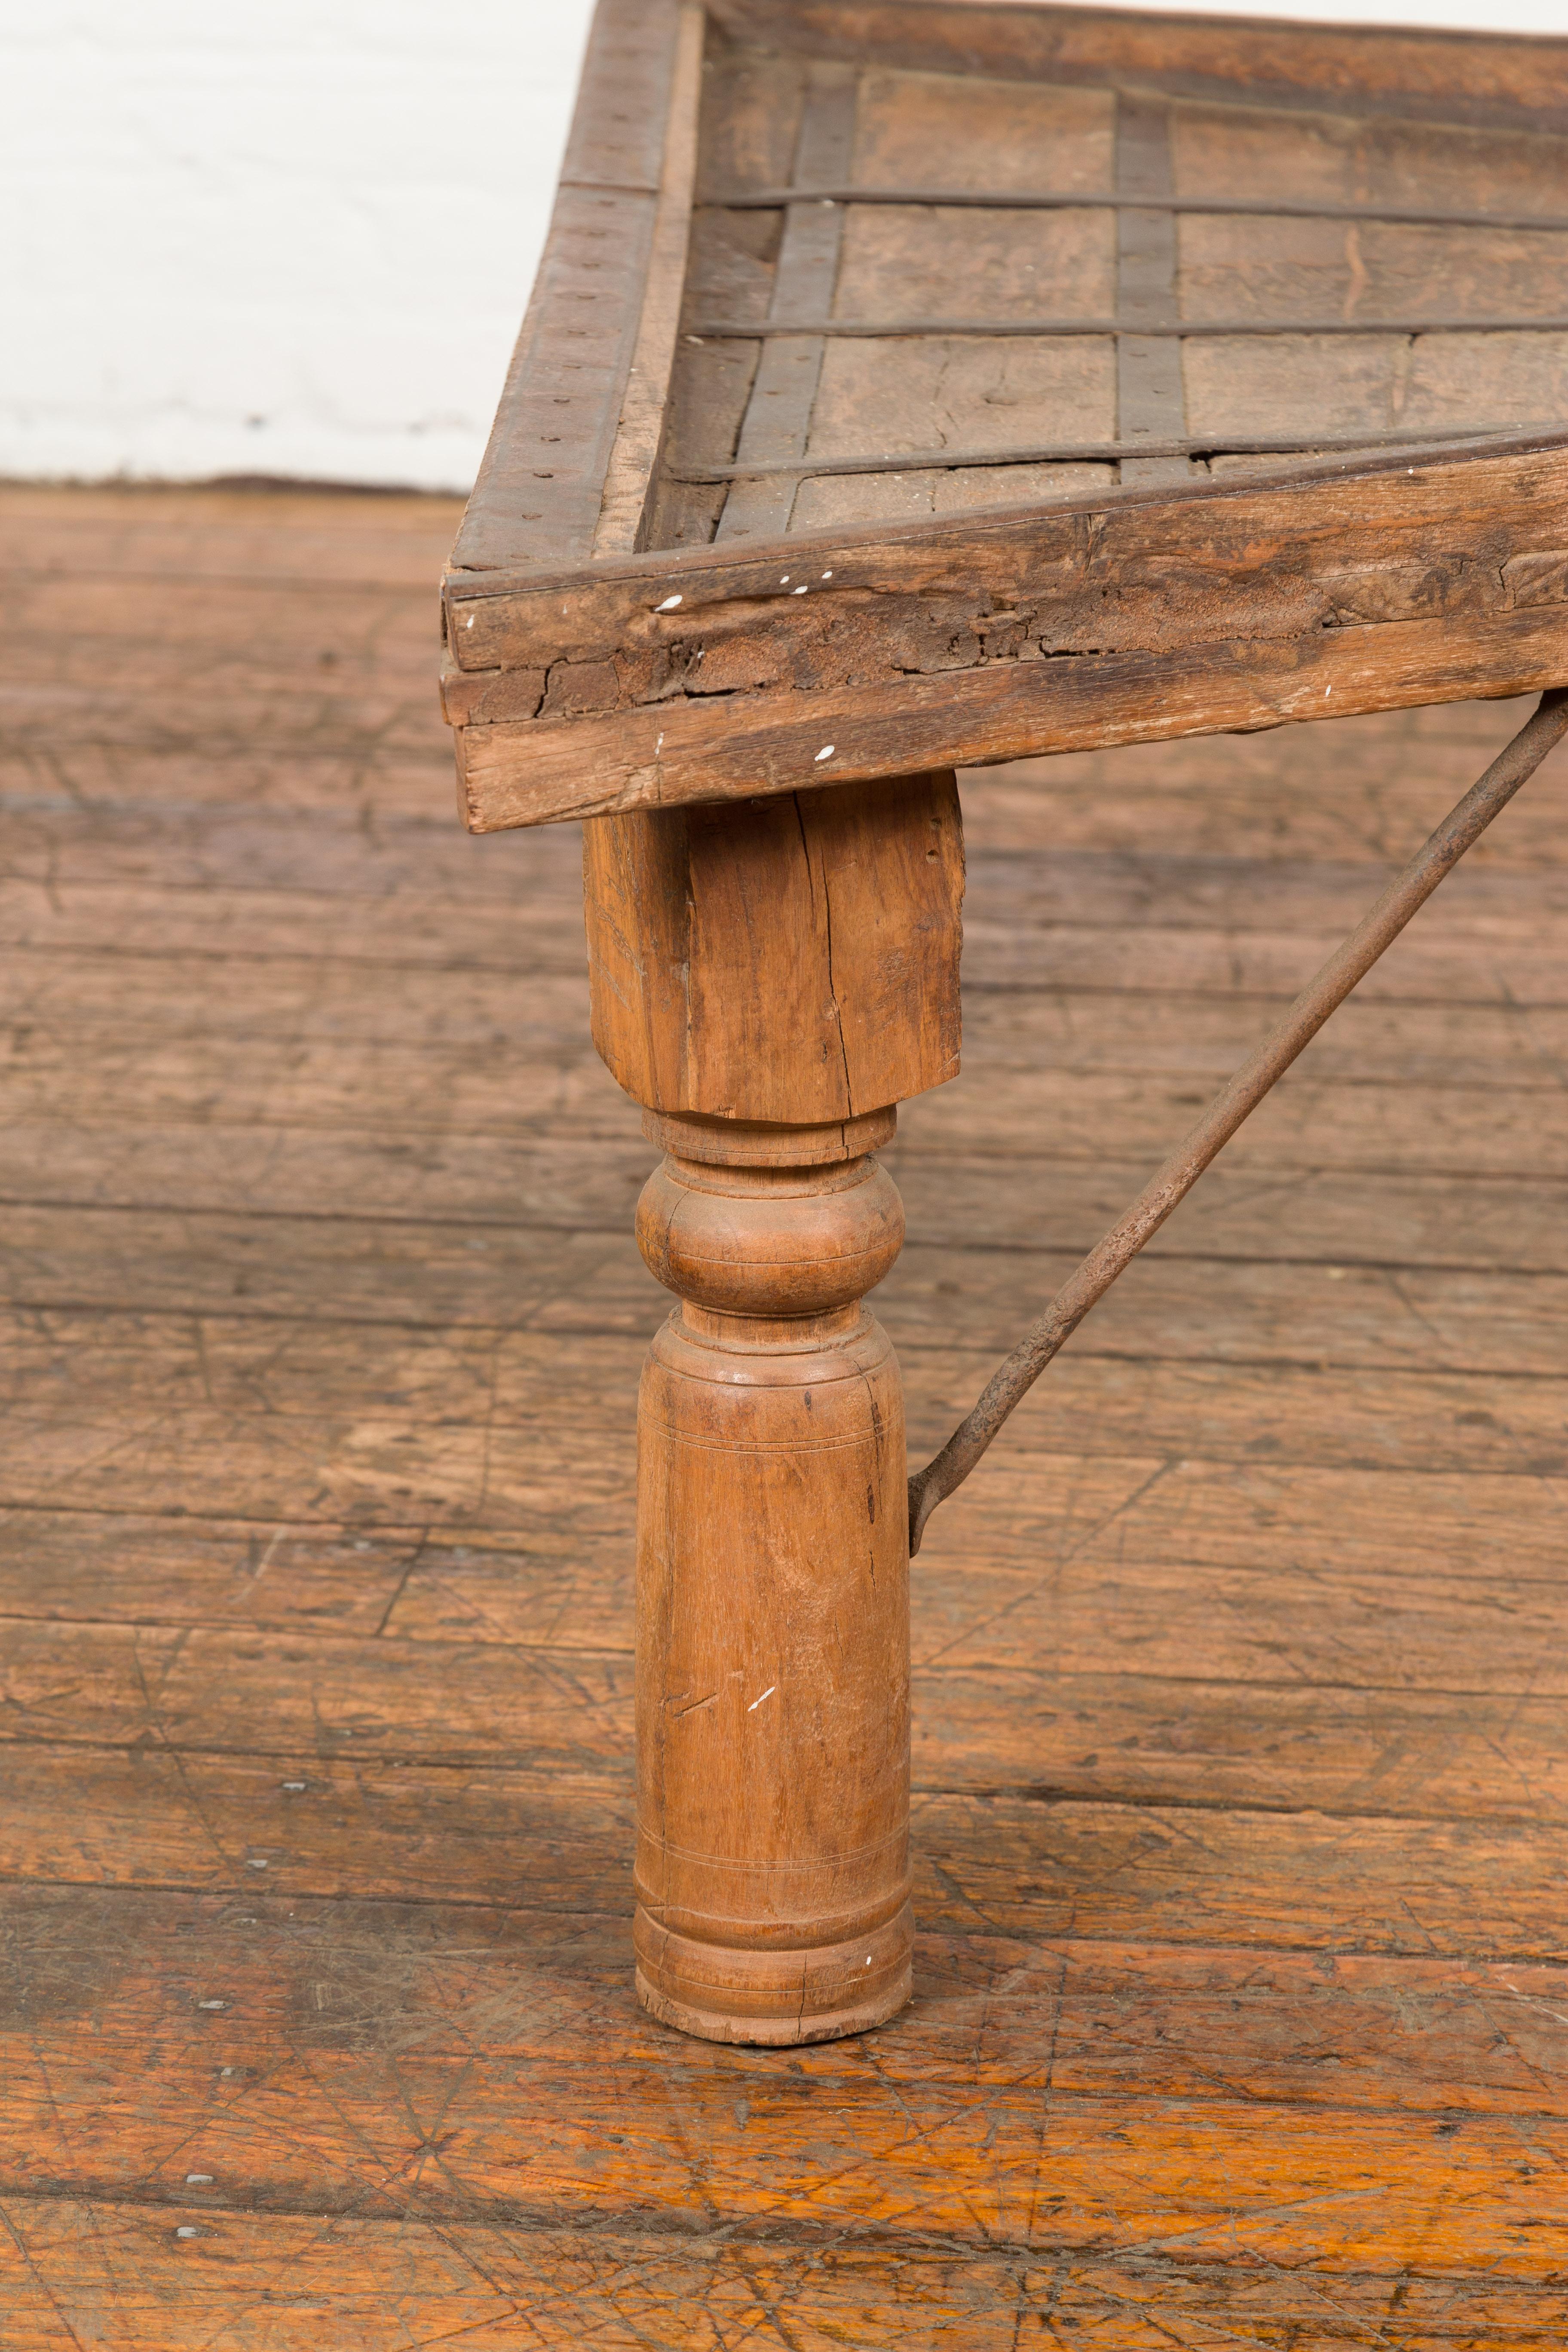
column 1112, row 1255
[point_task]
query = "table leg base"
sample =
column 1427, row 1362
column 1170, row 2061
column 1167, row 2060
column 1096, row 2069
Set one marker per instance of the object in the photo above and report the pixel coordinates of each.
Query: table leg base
column 776, row 1998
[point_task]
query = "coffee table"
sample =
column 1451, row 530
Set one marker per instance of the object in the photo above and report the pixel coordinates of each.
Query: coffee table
column 911, row 384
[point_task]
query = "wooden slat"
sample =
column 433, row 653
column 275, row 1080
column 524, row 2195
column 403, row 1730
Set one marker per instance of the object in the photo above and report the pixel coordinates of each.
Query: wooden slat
column 1354, row 520
column 1511, row 82
column 778, row 424
column 298, row 2006
column 1185, row 613
column 1227, row 444
column 629, row 469
column 540, row 486
column 515, row 775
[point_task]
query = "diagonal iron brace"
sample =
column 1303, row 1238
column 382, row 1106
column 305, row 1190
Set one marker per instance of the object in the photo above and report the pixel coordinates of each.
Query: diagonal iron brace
column 1013, row 1378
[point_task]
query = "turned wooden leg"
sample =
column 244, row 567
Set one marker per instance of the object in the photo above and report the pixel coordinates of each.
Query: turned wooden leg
column 772, row 1596
column 770, row 980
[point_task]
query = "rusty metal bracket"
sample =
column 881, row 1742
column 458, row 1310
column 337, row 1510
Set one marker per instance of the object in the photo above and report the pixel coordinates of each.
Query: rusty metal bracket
column 1013, row 1379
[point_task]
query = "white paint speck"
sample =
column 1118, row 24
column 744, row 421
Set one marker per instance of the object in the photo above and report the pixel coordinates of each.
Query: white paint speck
column 187, row 2230
column 868, row 1959
column 1327, row 691
column 212, row 2004
column 254, row 1861
column 757, row 1702
column 468, row 621
column 658, row 747
column 802, row 589
column 827, row 575
column 826, row 753
column 784, row 582
column 668, row 605
column 198, row 2180
column 296, row 1787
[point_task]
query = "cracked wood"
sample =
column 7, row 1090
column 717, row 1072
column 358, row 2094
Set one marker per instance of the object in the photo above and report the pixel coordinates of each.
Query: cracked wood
column 694, row 677
column 791, row 961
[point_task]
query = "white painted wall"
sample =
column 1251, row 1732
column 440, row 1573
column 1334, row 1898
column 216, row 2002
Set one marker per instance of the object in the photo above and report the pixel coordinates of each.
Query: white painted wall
column 296, row 237
column 279, row 237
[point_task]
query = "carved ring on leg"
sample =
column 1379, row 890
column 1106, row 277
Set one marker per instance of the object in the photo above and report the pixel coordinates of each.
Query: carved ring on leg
column 773, row 1601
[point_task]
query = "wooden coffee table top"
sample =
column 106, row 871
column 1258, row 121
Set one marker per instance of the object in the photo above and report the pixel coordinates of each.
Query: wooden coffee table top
column 910, row 385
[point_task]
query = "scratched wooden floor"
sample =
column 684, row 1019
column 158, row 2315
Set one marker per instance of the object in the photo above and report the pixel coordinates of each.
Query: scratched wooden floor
column 1241, row 1759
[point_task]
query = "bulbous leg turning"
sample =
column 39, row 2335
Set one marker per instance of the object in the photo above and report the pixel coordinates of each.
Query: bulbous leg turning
column 773, row 1604
column 768, row 975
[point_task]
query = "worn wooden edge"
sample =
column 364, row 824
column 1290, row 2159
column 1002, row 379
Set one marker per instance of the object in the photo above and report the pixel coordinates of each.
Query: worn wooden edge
column 639, row 435
column 540, row 483
column 743, row 746
column 879, row 554
column 1511, row 81
column 969, row 641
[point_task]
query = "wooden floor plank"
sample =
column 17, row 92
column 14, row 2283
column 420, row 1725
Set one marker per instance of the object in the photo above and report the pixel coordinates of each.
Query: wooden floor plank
column 89, row 1974
column 1487, row 1749
column 1241, row 1812
column 59, row 1102
column 202, row 1186
column 420, row 1267
column 252, row 1341
column 557, row 1839
column 1352, row 790
column 496, row 2290
column 94, row 1002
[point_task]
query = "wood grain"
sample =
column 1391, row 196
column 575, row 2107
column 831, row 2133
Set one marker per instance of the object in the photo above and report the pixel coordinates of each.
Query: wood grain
column 488, row 2281
column 777, row 423
column 1417, row 171
column 541, row 485
column 1236, row 1677
column 645, row 402
column 769, row 985
column 1170, row 617
column 1516, row 83
column 793, row 962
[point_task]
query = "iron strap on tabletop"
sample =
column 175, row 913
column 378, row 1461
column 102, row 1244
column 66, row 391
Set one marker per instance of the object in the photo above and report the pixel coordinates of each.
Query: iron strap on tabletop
column 835, row 194
column 1017, row 200
column 1211, row 444
column 1181, row 330
column 1110, row 1256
